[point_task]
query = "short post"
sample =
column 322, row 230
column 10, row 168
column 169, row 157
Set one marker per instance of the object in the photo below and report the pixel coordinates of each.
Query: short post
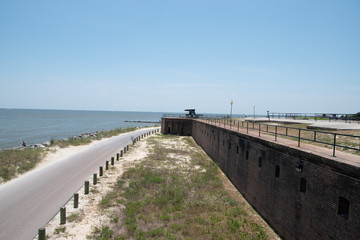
column 259, row 129
column 42, row 233
column 314, row 136
column 275, row 133
column 107, row 165
column 127, row 148
column 86, row 188
column 94, row 179
column 76, row 200
column 238, row 125
column 62, row 215
column 112, row 160
column 124, row 150
column 117, row 157
column 299, row 138
column 334, row 144
column 247, row 127
column 100, row 171
column 121, row 153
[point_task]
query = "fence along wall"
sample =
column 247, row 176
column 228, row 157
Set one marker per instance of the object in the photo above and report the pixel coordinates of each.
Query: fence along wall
column 300, row 194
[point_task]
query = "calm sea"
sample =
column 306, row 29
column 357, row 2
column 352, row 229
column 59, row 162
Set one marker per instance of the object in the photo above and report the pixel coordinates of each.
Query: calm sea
column 38, row 126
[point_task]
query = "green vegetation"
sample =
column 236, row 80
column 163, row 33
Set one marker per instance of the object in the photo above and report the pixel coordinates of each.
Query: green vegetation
column 175, row 193
column 356, row 116
column 104, row 233
column 76, row 217
column 60, row 230
column 86, row 140
column 17, row 161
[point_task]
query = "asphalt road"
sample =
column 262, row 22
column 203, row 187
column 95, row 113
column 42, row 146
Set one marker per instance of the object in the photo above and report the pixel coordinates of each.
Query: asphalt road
column 29, row 202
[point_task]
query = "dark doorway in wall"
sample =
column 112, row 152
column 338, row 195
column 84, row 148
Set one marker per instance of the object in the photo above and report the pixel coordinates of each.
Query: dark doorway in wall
column 302, row 185
column 260, row 162
column 277, row 171
column 343, row 207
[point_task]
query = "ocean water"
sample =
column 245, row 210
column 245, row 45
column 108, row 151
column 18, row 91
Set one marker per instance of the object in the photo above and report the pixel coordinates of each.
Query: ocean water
column 38, row 126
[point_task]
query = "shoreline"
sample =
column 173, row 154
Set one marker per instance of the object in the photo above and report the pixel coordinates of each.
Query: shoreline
column 55, row 153
column 90, row 135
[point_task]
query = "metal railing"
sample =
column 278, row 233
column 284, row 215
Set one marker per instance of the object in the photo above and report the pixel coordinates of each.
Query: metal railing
column 317, row 116
column 298, row 134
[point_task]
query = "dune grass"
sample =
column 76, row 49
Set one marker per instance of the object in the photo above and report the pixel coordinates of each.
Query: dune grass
column 175, row 193
column 86, row 140
column 17, row 161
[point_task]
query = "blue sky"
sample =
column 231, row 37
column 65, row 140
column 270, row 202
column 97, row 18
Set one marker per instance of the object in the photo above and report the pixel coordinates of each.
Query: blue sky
column 281, row 56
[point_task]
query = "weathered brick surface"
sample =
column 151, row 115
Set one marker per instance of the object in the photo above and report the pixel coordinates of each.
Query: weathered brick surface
column 293, row 214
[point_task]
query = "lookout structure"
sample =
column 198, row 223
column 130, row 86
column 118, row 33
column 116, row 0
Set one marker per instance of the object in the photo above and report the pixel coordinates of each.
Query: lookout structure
column 191, row 113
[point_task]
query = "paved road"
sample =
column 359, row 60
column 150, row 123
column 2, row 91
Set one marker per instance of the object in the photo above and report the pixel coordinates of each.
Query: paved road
column 29, row 202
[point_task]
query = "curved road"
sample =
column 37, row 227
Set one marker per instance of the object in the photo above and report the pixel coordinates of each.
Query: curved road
column 29, row 202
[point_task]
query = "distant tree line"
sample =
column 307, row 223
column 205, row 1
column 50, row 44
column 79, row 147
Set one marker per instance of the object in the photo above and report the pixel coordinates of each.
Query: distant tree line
column 352, row 117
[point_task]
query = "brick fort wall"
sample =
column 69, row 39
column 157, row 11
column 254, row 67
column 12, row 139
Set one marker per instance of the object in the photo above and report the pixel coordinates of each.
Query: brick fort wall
column 302, row 195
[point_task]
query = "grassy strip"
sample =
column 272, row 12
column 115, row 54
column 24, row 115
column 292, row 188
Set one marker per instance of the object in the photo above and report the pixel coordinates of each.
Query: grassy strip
column 14, row 161
column 84, row 141
column 175, row 193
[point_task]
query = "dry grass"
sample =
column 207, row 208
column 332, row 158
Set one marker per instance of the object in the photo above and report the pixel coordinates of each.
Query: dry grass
column 17, row 161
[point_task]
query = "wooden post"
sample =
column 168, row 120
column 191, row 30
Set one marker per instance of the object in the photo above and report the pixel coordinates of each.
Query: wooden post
column 121, row 153
column 117, row 157
column 76, row 200
column 62, row 215
column 41, row 233
column 86, row 188
column 100, row 171
column 94, row 179
column 112, row 160
column 127, row 148
column 107, row 165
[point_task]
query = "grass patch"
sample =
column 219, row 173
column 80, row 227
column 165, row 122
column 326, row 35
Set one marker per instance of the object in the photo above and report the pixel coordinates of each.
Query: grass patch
column 177, row 197
column 76, row 217
column 17, row 161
